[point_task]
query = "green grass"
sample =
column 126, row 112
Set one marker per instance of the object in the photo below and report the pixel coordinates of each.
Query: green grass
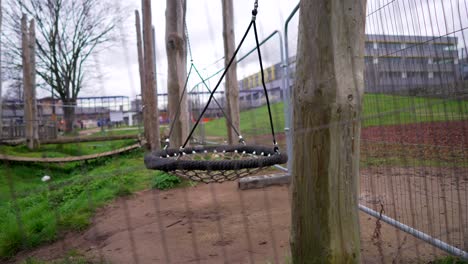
column 378, row 109
column 449, row 260
column 42, row 212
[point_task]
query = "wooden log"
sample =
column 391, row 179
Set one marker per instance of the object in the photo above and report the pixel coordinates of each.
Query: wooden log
column 232, row 87
column 176, row 51
column 66, row 140
column 150, row 93
column 257, row 182
column 327, row 99
column 68, row 159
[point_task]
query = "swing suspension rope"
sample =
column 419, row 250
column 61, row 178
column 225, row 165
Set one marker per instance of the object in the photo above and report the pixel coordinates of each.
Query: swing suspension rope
column 252, row 23
column 184, row 91
column 218, row 163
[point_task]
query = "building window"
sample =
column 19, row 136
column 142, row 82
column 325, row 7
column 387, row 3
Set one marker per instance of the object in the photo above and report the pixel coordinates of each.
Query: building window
column 430, row 75
column 417, row 61
column 369, row 45
column 375, row 60
column 403, row 75
column 390, row 45
column 392, row 60
column 444, row 61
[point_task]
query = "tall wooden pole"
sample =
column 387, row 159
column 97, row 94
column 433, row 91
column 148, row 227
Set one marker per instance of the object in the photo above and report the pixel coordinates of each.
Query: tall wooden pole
column 327, row 99
column 141, row 67
column 30, row 117
column 232, row 87
column 150, row 108
column 33, row 102
column 176, row 50
column 1, row 90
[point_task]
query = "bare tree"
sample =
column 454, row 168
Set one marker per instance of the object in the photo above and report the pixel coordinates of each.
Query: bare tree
column 327, row 102
column 68, row 32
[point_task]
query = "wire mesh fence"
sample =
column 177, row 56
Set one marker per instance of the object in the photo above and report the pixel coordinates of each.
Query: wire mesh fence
column 413, row 165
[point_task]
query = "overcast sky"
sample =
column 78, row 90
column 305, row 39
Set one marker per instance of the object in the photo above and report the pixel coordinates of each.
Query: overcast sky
column 204, row 22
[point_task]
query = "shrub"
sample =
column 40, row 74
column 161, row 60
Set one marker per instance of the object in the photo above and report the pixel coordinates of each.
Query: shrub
column 164, row 181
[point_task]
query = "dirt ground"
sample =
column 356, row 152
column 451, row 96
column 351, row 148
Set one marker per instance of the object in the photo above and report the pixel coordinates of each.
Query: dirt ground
column 218, row 223
column 214, row 223
column 442, row 134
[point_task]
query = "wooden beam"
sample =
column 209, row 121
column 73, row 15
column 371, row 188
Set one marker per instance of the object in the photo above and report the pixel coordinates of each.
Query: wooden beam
column 232, row 87
column 176, row 51
column 327, row 99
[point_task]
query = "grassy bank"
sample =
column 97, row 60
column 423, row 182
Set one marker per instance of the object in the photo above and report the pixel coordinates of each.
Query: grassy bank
column 34, row 212
column 378, row 109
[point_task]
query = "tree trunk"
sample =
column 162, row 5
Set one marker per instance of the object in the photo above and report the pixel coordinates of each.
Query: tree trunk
column 232, row 88
column 327, row 99
column 177, row 70
column 69, row 113
column 150, row 109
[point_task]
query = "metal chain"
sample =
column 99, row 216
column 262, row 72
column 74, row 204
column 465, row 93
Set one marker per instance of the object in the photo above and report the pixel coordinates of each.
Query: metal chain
column 254, row 11
column 188, row 42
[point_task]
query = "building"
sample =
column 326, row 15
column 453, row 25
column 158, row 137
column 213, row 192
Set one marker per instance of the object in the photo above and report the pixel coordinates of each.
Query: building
column 420, row 65
column 395, row 63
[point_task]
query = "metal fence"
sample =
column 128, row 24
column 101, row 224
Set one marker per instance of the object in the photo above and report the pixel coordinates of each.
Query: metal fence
column 413, row 167
column 413, row 172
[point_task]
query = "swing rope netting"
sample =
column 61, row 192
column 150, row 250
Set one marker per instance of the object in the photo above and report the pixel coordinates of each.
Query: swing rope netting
column 218, row 163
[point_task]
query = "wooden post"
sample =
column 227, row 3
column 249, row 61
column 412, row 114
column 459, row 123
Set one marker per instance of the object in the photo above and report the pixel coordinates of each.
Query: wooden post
column 28, row 82
column 327, row 99
column 1, row 97
column 150, row 107
column 141, row 68
column 177, row 70
column 33, row 102
column 232, row 87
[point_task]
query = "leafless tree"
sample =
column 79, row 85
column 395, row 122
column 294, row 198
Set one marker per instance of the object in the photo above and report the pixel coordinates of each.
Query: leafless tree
column 68, row 32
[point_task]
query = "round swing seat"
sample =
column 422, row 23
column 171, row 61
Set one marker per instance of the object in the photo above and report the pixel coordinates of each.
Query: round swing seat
column 214, row 163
